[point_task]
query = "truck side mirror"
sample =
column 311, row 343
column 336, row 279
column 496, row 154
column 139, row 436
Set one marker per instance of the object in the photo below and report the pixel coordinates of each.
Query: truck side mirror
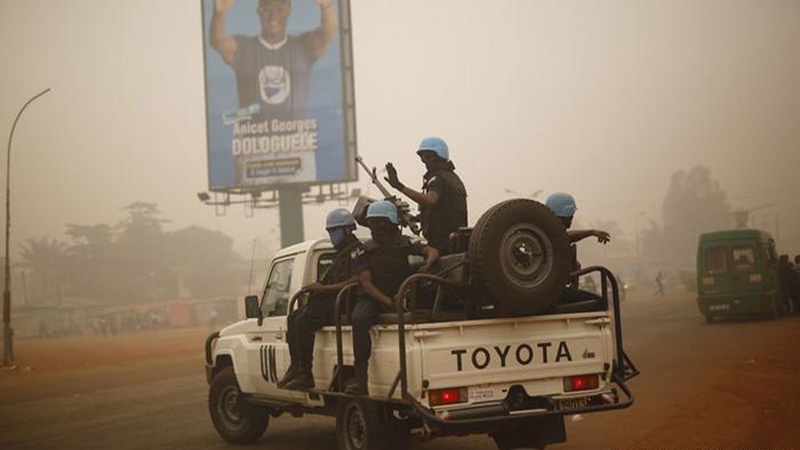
column 251, row 307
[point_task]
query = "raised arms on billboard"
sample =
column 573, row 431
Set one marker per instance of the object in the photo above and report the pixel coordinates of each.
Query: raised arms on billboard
column 277, row 108
column 273, row 15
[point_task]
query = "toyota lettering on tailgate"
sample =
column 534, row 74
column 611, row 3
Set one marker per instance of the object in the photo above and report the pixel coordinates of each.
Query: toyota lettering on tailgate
column 524, row 354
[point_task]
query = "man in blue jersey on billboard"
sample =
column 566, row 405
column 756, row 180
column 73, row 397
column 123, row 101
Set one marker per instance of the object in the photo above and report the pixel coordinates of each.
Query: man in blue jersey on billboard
column 273, row 68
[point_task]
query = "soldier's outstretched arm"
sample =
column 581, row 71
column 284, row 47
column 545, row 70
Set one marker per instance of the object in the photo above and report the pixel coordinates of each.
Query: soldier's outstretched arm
column 578, row 235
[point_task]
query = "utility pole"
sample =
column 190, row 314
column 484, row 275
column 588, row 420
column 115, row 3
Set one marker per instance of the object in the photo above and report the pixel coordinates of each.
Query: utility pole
column 8, row 333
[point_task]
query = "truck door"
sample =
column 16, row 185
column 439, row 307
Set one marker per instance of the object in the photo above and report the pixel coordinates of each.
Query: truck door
column 267, row 348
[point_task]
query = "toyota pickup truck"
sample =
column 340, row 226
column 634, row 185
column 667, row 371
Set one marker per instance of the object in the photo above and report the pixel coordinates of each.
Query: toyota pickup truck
column 482, row 344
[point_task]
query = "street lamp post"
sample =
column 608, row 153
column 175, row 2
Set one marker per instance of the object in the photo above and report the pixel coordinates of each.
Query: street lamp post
column 8, row 347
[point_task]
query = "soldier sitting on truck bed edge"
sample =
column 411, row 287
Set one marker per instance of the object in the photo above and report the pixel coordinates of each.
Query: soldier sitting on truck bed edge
column 319, row 309
column 387, row 266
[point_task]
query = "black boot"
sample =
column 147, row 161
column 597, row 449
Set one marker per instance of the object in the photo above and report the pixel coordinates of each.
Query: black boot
column 358, row 384
column 289, row 375
column 303, row 381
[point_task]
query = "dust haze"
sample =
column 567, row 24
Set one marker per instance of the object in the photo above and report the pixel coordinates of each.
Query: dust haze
column 605, row 100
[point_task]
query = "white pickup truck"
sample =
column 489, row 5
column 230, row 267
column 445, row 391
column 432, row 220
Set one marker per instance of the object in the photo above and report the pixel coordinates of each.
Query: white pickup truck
column 484, row 346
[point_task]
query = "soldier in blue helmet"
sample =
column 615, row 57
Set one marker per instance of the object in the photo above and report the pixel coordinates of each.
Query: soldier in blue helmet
column 563, row 206
column 386, row 267
column 319, row 309
column 443, row 198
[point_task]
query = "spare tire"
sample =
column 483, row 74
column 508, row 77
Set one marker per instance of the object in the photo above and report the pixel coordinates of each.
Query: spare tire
column 519, row 255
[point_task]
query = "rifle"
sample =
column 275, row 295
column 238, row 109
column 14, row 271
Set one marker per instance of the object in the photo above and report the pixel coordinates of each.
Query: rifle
column 403, row 210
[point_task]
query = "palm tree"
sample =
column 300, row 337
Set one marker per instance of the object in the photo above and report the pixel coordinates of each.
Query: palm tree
column 92, row 266
column 44, row 258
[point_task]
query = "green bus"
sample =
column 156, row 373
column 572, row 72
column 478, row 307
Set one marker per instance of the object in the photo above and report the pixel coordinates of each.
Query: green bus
column 737, row 275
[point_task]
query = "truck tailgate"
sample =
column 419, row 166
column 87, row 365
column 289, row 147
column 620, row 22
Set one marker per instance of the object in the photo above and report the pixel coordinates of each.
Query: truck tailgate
column 534, row 352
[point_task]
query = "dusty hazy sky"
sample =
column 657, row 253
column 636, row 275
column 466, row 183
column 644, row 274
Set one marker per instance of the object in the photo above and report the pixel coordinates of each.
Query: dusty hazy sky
column 604, row 99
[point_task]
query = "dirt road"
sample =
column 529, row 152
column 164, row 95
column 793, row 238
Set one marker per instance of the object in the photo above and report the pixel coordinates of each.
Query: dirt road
column 723, row 386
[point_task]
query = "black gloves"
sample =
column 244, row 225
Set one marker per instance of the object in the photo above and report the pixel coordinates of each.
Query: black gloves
column 392, row 177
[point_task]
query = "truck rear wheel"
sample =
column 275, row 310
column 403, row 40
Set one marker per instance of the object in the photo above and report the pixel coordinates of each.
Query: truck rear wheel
column 532, row 433
column 357, row 426
column 361, row 425
column 519, row 252
column 511, row 440
column 236, row 421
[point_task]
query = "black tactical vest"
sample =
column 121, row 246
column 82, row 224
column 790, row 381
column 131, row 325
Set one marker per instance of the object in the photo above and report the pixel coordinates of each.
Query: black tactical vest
column 389, row 263
column 449, row 213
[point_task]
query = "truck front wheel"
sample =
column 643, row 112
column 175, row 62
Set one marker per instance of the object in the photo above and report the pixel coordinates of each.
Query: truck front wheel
column 236, row 421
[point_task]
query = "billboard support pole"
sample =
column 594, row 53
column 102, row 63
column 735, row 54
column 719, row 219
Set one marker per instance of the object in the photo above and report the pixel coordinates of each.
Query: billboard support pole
column 290, row 204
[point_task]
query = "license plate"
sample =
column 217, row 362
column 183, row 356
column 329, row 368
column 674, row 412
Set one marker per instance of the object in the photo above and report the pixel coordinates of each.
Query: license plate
column 571, row 403
column 481, row 394
column 723, row 307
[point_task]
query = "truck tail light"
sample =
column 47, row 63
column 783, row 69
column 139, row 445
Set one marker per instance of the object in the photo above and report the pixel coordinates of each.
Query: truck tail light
column 449, row 396
column 581, row 383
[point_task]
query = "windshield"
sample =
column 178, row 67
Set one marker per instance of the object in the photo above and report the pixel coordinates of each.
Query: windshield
column 276, row 293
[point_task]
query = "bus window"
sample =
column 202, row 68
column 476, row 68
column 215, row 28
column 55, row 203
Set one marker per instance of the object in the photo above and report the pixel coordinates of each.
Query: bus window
column 716, row 260
column 743, row 258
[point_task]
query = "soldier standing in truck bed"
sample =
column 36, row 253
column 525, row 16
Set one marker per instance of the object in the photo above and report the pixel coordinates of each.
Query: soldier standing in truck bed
column 443, row 198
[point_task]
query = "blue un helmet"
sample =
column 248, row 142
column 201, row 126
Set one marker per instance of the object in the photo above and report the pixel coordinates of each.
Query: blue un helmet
column 339, row 217
column 562, row 204
column 383, row 208
column 436, row 145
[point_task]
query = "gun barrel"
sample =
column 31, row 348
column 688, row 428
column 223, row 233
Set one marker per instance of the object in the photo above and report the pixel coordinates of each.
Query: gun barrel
column 402, row 207
column 374, row 178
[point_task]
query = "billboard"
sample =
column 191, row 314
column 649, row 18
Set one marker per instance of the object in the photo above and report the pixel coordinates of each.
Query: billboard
column 279, row 97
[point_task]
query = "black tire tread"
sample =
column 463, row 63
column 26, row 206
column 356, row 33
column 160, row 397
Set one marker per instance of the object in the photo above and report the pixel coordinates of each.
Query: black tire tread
column 255, row 419
column 485, row 268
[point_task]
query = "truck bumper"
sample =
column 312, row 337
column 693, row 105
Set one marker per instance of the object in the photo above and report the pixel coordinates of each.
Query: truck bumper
column 489, row 417
column 737, row 305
